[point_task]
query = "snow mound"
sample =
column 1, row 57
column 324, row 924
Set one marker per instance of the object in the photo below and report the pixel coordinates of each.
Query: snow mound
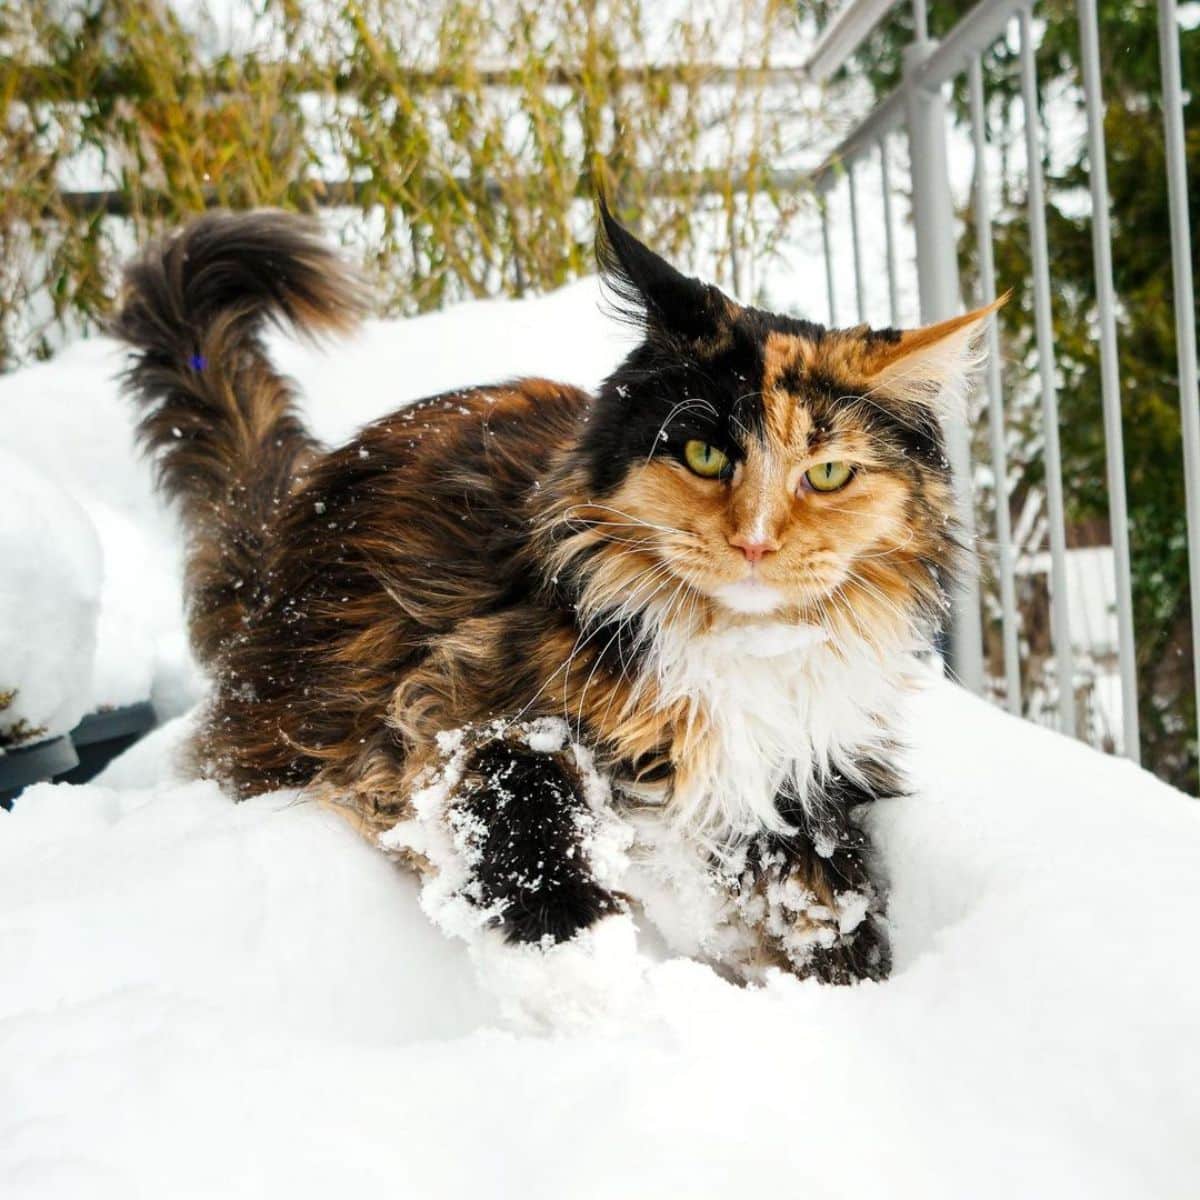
column 205, row 999
column 49, row 601
column 66, row 419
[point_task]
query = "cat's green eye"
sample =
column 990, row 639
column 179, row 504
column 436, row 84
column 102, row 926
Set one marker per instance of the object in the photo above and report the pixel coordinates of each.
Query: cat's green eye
column 829, row 477
column 706, row 459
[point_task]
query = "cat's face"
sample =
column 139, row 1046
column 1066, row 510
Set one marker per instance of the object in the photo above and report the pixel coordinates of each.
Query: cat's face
column 767, row 466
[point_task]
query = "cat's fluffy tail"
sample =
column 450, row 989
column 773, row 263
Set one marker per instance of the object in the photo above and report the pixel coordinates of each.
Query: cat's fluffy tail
column 217, row 418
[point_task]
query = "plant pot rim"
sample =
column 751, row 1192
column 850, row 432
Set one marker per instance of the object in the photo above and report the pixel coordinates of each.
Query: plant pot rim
column 33, row 764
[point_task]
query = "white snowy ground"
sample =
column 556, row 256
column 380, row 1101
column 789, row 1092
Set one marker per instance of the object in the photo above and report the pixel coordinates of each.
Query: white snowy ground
column 210, row 1000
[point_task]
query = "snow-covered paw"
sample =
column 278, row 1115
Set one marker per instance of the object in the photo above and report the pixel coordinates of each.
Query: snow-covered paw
column 839, row 943
column 597, row 979
column 835, row 936
column 815, row 908
column 516, row 827
column 545, row 914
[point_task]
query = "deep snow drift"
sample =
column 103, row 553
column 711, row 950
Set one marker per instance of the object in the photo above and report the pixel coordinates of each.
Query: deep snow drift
column 203, row 999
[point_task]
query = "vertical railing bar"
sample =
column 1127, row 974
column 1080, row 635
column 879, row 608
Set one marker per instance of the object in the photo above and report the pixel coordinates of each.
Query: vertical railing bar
column 828, row 261
column 859, row 289
column 987, row 287
column 1059, row 600
column 1110, row 383
column 1185, row 300
column 920, row 21
column 889, row 236
column 940, row 297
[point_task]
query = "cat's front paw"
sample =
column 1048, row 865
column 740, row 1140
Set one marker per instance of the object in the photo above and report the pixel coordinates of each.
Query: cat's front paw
column 840, row 940
column 515, row 834
column 843, row 958
column 549, row 915
column 818, row 911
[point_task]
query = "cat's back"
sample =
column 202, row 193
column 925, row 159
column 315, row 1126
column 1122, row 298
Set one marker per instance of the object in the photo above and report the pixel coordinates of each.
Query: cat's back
column 501, row 438
column 434, row 502
column 412, row 533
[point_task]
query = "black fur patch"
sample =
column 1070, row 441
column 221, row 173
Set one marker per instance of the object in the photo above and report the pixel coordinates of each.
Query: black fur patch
column 699, row 371
column 531, row 822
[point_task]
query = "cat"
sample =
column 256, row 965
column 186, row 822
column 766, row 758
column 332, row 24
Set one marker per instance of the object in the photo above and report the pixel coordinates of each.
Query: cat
column 689, row 602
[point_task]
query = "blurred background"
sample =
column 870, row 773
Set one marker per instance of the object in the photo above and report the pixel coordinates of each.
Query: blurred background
column 454, row 146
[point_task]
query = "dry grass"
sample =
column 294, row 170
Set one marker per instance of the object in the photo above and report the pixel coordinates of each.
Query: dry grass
column 463, row 138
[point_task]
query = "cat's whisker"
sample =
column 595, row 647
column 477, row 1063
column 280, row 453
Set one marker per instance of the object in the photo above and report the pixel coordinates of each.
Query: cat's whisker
column 586, row 633
column 682, row 406
column 856, row 617
column 656, row 542
column 633, row 588
column 889, row 603
column 600, row 656
column 630, row 519
column 911, row 535
column 631, row 542
column 885, row 602
column 685, row 589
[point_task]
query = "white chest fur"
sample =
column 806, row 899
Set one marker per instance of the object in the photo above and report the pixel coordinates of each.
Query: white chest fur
column 771, row 707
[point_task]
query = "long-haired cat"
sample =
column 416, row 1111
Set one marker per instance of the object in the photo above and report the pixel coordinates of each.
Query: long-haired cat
column 505, row 615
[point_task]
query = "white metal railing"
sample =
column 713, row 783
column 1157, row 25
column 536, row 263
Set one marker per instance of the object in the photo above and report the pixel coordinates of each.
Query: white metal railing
column 917, row 109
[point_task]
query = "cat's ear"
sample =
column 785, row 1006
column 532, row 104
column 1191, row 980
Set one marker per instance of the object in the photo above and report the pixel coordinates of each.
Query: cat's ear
column 931, row 366
column 652, row 294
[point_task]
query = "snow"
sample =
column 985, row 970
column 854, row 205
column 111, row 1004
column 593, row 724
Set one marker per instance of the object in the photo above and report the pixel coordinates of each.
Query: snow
column 203, row 998
column 207, row 999
column 65, row 420
column 49, row 599
column 566, row 335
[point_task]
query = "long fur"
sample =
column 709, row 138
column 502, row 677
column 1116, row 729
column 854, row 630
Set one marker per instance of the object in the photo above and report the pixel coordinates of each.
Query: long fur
column 525, row 550
column 217, row 418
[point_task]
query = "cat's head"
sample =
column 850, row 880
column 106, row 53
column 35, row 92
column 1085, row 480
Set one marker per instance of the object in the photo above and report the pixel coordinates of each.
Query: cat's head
column 757, row 464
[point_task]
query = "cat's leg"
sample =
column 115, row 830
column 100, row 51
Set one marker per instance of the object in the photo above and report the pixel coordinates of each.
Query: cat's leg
column 522, row 854
column 804, row 902
column 527, row 825
column 510, row 822
column 813, row 893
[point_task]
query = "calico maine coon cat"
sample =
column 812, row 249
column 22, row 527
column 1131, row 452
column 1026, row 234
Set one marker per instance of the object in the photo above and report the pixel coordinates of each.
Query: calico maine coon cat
column 703, row 585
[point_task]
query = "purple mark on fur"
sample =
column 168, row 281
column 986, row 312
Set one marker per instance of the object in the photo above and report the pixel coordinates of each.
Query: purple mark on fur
column 197, row 362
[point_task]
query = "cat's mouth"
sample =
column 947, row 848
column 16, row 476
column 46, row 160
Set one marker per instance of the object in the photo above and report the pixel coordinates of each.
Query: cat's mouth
column 750, row 595
column 756, row 594
column 757, row 589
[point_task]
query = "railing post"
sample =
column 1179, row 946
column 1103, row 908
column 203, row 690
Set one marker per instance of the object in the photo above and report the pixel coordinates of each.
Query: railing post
column 1185, row 299
column 831, row 296
column 1010, row 621
column 1043, row 319
column 937, row 278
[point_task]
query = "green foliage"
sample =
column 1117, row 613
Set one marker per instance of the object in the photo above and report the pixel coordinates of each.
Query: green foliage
column 1146, row 330
column 1146, row 346
column 468, row 136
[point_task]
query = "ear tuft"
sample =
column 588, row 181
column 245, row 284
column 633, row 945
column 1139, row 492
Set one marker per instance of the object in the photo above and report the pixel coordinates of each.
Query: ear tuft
column 648, row 292
column 614, row 247
column 931, row 367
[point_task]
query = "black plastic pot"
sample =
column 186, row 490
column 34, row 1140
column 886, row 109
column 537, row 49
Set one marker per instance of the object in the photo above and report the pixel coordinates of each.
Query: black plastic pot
column 78, row 756
column 101, row 736
column 34, row 764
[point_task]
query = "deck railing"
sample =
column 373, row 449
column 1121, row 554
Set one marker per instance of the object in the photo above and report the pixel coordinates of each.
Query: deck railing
column 917, row 113
column 917, row 110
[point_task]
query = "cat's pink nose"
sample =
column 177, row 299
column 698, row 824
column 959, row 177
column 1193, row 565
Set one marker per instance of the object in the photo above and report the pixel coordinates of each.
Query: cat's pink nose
column 755, row 549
